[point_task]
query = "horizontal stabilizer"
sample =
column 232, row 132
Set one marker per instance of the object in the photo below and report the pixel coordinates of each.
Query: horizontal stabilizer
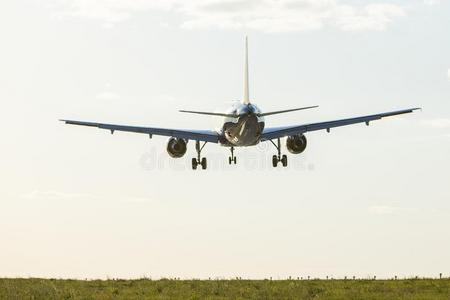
column 285, row 111
column 209, row 113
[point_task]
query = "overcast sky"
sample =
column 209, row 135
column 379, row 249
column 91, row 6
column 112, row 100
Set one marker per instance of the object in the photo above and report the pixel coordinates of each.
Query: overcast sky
column 79, row 202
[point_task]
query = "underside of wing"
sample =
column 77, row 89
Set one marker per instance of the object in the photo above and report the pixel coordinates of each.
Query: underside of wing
column 198, row 135
column 278, row 132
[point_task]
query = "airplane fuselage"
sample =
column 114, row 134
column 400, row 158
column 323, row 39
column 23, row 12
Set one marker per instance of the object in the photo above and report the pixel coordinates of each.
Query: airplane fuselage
column 244, row 130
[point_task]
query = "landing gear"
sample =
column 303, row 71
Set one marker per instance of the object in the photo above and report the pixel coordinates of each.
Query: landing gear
column 278, row 158
column 204, row 164
column 274, row 161
column 232, row 158
column 199, row 160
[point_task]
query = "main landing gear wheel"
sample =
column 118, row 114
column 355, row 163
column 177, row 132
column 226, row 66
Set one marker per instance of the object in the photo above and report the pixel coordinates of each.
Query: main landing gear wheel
column 279, row 158
column 274, row 161
column 199, row 160
column 204, row 165
column 232, row 158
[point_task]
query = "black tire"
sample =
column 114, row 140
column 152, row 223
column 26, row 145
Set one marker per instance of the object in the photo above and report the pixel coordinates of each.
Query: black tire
column 234, row 160
column 204, row 164
column 229, row 160
column 274, row 161
column 284, row 161
column 194, row 164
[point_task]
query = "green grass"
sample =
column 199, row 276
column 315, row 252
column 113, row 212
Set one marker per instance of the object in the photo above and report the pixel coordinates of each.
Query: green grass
column 410, row 289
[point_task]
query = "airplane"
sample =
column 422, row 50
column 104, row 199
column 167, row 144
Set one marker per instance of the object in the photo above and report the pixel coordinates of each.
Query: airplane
column 243, row 126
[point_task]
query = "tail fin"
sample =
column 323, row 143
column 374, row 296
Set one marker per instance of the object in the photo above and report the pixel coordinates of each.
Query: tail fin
column 246, row 99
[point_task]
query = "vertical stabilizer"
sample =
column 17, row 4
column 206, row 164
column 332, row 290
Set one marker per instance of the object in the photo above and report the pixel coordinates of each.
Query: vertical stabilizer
column 246, row 99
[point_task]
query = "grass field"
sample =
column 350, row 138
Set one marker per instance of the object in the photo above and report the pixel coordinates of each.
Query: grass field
column 224, row 289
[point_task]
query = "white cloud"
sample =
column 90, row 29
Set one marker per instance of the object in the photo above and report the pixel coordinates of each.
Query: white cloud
column 382, row 210
column 431, row 2
column 370, row 17
column 389, row 210
column 448, row 74
column 259, row 15
column 107, row 95
column 38, row 195
column 437, row 123
column 54, row 195
column 136, row 200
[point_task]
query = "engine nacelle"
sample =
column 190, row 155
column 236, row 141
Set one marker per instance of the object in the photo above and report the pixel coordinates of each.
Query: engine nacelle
column 296, row 144
column 176, row 147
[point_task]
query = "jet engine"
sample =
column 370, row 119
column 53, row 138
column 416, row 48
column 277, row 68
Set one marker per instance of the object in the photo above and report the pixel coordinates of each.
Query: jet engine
column 296, row 144
column 176, row 147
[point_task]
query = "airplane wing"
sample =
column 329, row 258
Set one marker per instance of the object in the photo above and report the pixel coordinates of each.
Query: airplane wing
column 198, row 135
column 278, row 132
